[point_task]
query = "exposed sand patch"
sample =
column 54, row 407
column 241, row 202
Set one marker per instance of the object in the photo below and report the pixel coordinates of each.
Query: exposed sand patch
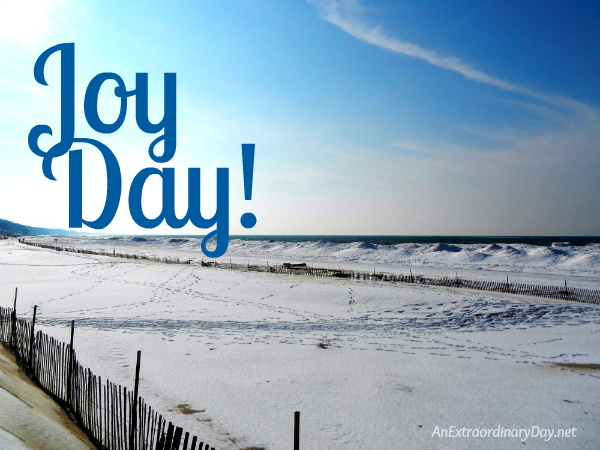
column 184, row 408
column 581, row 366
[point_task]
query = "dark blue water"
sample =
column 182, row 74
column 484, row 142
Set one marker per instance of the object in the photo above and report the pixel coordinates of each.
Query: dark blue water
column 391, row 240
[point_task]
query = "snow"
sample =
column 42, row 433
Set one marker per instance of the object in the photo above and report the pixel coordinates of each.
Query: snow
column 370, row 365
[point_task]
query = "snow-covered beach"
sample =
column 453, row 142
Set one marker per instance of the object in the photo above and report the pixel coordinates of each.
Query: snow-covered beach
column 230, row 355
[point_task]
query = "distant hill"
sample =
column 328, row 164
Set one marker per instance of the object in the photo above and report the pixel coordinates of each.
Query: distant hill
column 12, row 228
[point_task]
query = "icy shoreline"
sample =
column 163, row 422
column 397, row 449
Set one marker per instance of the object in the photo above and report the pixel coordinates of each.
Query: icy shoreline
column 517, row 258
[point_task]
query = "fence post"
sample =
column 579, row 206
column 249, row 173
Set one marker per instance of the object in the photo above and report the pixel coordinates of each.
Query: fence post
column 297, row 430
column 13, row 331
column 32, row 338
column 70, row 372
column 133, row 425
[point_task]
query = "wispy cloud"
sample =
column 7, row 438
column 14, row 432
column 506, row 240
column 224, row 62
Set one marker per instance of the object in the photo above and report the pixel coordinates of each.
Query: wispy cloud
column 569, row 113
column 536, row 180
column 350, row 16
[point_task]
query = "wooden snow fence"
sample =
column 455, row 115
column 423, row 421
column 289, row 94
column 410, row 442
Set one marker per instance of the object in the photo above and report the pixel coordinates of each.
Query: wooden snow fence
column 554, row 292
column 111, row 415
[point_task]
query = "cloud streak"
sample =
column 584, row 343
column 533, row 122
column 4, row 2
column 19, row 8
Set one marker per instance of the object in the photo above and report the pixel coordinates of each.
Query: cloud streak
column 348, row 15
column 540, row 180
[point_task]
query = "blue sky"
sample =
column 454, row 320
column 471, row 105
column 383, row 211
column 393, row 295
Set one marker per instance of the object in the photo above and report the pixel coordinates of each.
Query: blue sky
column 405, row 117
